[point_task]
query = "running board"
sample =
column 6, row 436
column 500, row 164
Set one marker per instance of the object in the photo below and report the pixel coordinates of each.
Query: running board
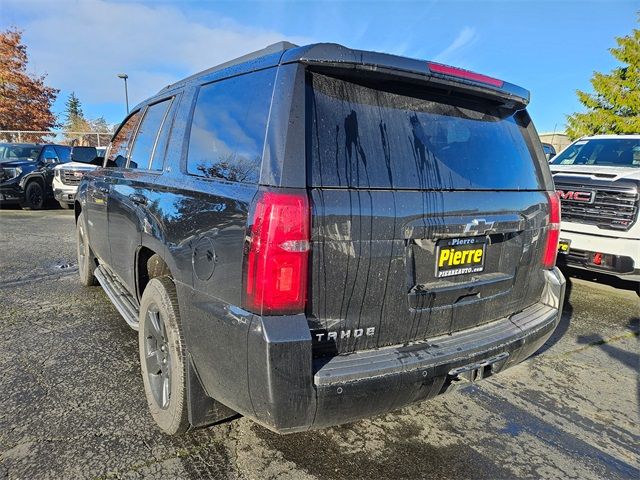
column 119, row 296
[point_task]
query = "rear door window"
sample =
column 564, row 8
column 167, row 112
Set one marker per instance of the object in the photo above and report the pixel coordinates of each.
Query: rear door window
column 64, row 153
column 160, row 149
column 146, row 138
column 229, row 127
column 49, row 152
column 366, row 136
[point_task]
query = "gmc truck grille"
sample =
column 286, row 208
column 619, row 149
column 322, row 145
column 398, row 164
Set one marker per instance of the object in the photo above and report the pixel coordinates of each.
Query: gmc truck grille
column 609, row 208
column 71, row 177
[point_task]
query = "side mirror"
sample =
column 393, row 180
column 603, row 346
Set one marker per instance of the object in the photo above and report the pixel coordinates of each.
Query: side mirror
column 50, row 161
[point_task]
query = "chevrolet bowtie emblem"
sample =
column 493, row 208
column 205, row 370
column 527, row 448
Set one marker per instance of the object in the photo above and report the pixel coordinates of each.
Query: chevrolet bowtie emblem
column 479, row 226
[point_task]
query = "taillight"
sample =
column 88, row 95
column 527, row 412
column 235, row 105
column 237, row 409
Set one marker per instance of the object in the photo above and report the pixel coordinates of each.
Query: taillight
column 553, row 231
column 276, row 254
column 466, row 74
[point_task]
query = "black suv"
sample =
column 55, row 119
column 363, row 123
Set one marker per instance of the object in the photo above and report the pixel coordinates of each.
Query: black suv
column 26, row 172
column 312, row 235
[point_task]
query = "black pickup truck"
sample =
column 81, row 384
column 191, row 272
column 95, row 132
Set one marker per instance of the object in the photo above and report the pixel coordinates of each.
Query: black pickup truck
column 26, row 172
column 312, row 235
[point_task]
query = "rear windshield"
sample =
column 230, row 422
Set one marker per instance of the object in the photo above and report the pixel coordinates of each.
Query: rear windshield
column 604, row 152
column 363, row 137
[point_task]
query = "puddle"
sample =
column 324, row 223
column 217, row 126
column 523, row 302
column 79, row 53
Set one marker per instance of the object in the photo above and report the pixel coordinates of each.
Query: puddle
column 64, row 266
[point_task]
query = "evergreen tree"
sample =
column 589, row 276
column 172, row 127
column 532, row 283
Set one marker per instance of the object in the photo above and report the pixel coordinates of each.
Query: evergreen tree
column 74, row 121
column 72, row 111
column 614, row 107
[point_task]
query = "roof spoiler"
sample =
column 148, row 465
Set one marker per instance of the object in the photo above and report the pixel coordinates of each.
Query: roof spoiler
column 334, row 55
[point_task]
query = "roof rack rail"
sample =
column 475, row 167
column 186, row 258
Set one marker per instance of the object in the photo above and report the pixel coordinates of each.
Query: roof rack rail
column 268, row 50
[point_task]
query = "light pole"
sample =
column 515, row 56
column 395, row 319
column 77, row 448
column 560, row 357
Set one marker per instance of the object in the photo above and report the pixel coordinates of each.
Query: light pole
column 124, row 76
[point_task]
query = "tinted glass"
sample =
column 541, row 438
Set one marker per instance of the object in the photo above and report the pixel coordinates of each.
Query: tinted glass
column 147, row 134
column 120, row 143
column 611, row 152
column 64, row 153
column 163, row 139
column 9, row 153
column 365, row 137
column 229, row 125
column 84, row 154
column 49, row 152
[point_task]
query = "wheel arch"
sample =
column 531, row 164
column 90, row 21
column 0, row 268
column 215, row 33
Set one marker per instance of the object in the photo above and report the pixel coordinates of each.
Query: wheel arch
column 77, row 210
column 149, row 264
column 33, row 177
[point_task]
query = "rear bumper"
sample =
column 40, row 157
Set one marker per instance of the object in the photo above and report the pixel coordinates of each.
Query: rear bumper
column 624, row 254
column 290, row 392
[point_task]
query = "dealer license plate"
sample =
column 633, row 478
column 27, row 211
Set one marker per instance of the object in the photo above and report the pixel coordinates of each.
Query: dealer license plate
column 563, row 246
column 458, row 256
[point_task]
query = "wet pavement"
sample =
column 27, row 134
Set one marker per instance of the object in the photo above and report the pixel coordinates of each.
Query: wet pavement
column 72, row 405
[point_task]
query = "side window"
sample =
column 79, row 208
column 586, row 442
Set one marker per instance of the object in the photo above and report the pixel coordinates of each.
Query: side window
column 64, row 153
column 145, row 141
column 229, row 127
column 49, row 152
column 120, row 143
column 161, row 145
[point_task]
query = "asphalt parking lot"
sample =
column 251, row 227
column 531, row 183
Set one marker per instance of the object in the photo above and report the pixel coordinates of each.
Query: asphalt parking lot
column 72, row 404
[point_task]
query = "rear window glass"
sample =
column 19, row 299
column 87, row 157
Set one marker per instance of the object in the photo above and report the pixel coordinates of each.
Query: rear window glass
column 362, row 137
column 610, row 152
column 229, row 128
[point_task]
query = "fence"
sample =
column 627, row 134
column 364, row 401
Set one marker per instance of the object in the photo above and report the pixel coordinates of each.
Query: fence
column 92, row 139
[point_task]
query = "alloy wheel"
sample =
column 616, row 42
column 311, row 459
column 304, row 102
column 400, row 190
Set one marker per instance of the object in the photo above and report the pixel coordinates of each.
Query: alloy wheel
column 157, row 357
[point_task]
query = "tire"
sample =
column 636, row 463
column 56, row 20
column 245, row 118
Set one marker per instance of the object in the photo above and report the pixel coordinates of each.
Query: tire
column 162, row 356
column 86, row 259
column 33, row 196
column 65, row 205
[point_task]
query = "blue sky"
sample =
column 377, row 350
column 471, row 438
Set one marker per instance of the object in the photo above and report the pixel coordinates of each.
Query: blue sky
column 548, row 47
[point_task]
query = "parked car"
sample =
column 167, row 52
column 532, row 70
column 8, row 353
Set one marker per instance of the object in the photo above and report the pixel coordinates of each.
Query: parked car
column 26, row 172
column 67, row 176
column 598, row 179
column 312, row 235
column 549, row 150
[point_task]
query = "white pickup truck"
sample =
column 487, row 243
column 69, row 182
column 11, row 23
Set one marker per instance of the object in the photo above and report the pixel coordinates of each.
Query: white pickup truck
column 598, row 180
column 67, row 176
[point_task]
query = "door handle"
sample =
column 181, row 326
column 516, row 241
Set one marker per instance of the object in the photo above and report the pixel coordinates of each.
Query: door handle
column 138, row 199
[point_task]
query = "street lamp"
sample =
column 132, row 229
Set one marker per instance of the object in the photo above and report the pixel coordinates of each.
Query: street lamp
column 124, row 76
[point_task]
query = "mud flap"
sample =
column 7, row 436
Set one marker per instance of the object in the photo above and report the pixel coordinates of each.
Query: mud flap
column 203, row 410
